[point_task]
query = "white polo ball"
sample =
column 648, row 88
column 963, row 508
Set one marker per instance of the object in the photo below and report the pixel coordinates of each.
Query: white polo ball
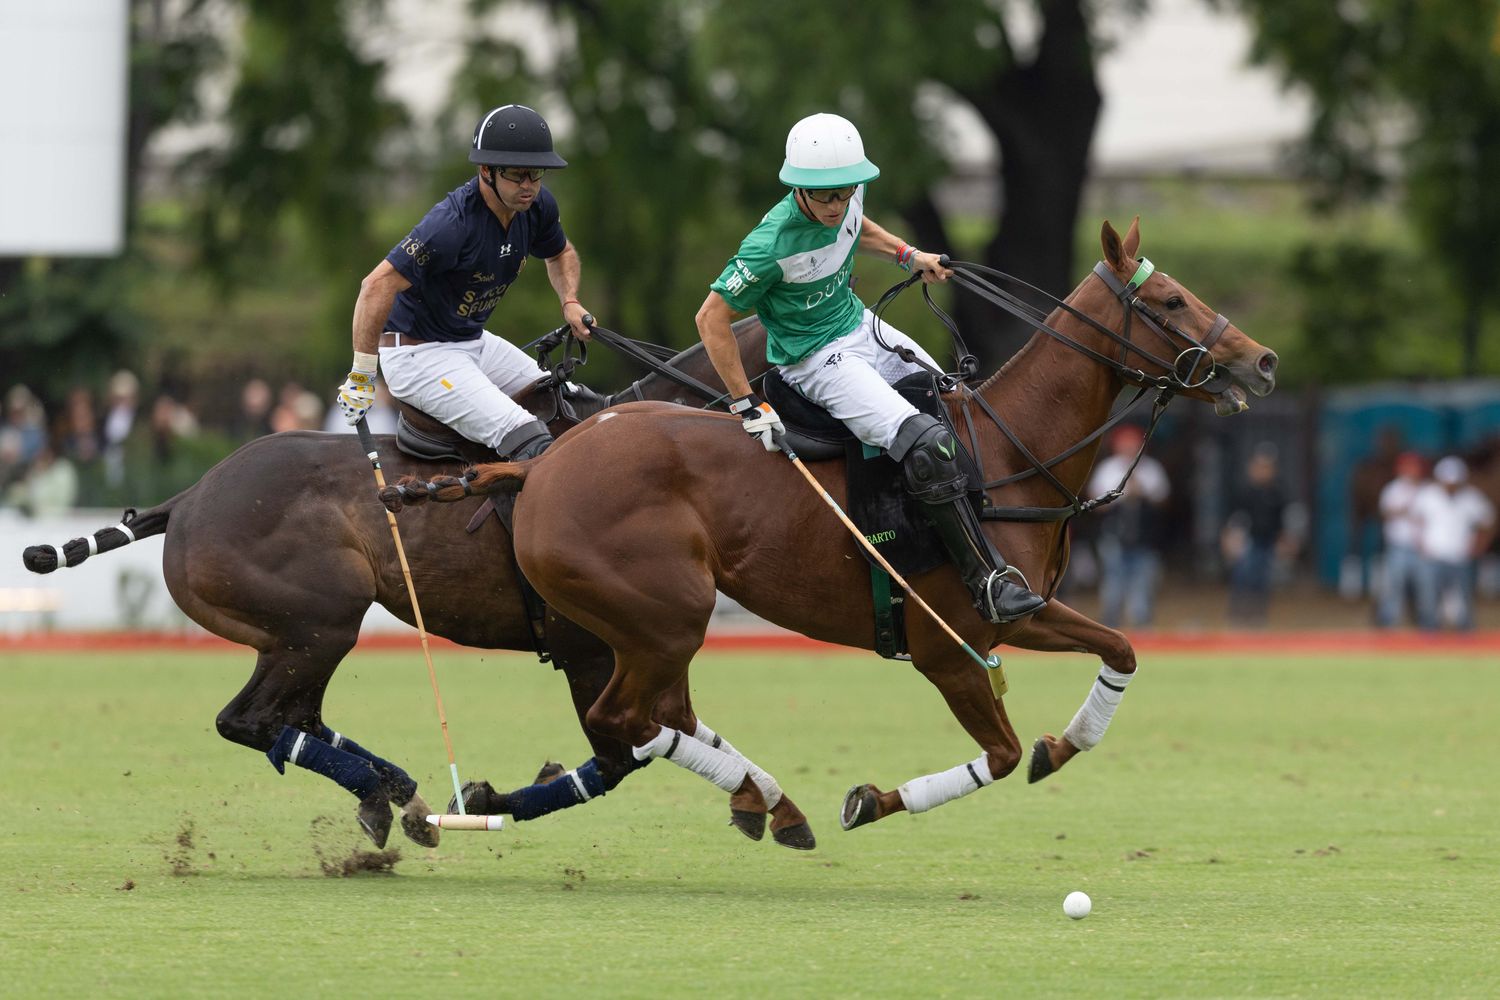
column 1077, row 905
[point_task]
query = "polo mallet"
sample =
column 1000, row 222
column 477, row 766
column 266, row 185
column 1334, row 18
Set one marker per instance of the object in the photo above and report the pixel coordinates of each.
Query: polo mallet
column 990, row 663
column 443, row 822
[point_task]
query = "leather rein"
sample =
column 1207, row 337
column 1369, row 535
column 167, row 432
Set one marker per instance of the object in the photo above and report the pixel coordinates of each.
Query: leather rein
column 1192, row 368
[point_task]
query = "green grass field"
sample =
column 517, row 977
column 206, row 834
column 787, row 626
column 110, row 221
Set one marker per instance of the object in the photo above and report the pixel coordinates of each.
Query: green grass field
column 1252, row 826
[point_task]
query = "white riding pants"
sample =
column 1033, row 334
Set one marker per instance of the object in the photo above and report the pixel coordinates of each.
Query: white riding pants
column 467, row 385
column 851, row 378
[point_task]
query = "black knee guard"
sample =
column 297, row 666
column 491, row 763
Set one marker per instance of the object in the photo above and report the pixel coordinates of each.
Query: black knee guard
column 929, row 460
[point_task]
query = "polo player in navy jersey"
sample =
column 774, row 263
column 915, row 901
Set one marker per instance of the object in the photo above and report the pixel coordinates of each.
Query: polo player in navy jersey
column 424, row 307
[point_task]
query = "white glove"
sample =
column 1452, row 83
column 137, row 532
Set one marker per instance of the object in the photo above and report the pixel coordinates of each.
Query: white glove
column 760, row 421
column 357, row 395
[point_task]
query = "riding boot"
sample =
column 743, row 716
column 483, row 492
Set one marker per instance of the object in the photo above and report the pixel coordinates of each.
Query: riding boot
column 527, row 441
column 929, row 462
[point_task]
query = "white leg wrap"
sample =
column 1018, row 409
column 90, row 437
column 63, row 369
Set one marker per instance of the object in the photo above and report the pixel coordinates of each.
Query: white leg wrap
column 769, row 789
column 932, row 790
column 703, row 760
column 1088, row 726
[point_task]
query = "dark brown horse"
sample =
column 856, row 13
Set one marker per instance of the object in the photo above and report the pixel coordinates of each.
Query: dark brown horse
column 697, row 507
column 283, row 546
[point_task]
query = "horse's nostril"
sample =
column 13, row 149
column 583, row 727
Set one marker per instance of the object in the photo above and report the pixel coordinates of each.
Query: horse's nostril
column 1267, row 363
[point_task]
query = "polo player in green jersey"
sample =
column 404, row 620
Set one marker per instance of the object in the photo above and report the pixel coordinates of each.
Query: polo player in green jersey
column 794, row 270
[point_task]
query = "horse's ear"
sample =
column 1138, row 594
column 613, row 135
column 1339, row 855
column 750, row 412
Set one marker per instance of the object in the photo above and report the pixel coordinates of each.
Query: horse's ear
column 1114, row 253
column 1133, row 238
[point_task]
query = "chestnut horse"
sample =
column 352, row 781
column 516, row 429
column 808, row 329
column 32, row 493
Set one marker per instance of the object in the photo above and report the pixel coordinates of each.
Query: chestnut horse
column 697, row 506
column 283, row 546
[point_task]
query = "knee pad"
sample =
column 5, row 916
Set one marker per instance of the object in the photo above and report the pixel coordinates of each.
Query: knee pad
column 930, row 463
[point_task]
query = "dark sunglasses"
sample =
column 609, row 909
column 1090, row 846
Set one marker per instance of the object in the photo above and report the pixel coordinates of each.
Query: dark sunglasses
column 520, row 175
column 828, row 196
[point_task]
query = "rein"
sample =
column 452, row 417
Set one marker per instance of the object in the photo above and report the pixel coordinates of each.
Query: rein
column 655, row 358
column 1178, row 374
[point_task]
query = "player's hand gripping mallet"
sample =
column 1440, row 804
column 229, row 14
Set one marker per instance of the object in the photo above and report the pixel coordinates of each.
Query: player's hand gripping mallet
column 990, row 663
column 443, row 822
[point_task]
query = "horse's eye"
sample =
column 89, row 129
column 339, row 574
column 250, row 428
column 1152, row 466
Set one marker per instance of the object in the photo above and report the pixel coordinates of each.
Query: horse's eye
column 1175, row 302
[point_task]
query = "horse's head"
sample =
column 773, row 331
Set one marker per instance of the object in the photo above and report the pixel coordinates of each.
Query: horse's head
column 1206, row 356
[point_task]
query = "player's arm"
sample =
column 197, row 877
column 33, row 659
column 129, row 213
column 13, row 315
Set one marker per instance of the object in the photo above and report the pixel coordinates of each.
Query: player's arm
column 713, row 320
column 377, row 293
column 563, row 271
column 877, row 242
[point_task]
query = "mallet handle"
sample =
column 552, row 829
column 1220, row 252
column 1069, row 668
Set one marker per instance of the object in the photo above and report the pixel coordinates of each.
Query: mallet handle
column 874, row 554
column 367, row 441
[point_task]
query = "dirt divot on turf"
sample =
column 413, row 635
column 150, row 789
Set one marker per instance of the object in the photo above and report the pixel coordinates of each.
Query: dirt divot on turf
column 179, row 856
column 335, row 863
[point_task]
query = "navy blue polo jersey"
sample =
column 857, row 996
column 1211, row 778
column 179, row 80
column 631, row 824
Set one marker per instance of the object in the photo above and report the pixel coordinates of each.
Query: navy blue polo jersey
column 460, row 260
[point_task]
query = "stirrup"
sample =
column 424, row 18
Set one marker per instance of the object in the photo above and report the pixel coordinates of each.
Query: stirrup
column 996, row 580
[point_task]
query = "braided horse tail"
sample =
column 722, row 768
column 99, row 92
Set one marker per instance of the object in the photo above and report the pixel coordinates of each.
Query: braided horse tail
column 132, row 528
column 477, row 480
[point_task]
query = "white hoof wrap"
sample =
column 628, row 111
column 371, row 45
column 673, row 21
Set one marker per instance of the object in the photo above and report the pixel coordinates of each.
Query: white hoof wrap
column 722, row 769
column 769, row 789
column 932, row 790
column 1088, row 726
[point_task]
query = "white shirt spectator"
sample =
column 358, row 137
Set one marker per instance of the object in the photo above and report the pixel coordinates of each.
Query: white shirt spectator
column 1401, row 527
column 1449, row 523
column 1149, row 482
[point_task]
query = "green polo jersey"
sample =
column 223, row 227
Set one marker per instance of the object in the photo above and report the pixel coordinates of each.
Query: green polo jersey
column 795, row 272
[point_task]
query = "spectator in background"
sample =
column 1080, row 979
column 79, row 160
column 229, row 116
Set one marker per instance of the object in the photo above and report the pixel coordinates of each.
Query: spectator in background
column 1455, row 524
column 121, row 401
column 78, row 431
column 297, row 410
column 1129, row 530
column 254, row 418
column 1257, row 534
column 50, row 485
column 170, row 423
column 1399, row 530
column 26, row 419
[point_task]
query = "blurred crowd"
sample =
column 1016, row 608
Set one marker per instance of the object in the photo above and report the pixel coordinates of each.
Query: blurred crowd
column 111, row 445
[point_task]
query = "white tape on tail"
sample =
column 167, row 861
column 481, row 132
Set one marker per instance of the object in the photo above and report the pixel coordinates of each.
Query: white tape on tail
column 122, row 529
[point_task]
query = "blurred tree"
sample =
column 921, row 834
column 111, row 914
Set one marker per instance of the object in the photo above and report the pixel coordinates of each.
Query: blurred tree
column 1417, row 78
column 306, row 118
column 681, row 111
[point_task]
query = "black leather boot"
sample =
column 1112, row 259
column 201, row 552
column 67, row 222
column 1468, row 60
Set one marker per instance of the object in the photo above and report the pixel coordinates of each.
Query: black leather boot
column 929, row 462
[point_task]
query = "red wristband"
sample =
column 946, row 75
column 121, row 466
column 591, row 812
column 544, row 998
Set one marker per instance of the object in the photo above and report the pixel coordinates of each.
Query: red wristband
column 568, row 302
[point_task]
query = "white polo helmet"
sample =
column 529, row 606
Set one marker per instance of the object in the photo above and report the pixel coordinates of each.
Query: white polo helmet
column 825, row 151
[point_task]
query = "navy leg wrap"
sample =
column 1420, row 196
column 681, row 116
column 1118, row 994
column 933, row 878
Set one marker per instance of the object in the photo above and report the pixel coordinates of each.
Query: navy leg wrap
column 305, row 750
column 399, row 785
column 571, row 789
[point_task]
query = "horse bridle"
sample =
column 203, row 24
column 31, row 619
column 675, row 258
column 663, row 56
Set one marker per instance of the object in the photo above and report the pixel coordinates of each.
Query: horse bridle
column 1179, row 374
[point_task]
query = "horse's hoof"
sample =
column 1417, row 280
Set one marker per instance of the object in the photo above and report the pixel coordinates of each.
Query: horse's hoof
column 414, row 823
column 479, row 799
column 798, row 837
column 751, row 824
column 1041, row 762
column 374, row 815
column 860, row 807
column 551, row 769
